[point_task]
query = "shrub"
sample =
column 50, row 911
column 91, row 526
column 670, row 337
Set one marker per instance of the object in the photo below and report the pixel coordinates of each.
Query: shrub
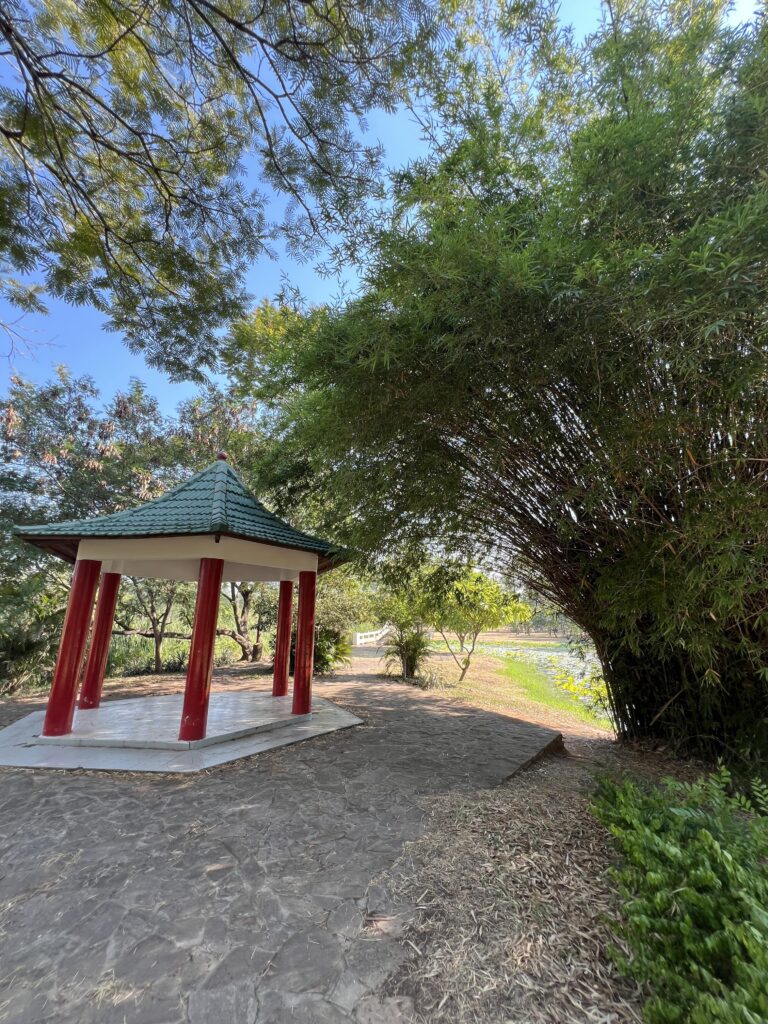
column 693, row 877
column 588, row 688
column 26, row 660
column 331, row 649
column 225, row 652
column 431, row 681
column 175, row 655
column 406, row 648
column 130, row 656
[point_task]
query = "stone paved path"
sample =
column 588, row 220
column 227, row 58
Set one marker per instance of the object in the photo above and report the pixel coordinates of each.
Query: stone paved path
column 237, row 896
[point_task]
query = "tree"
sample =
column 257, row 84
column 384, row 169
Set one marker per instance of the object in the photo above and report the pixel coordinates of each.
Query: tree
column 407, row 644
column 61, row 457
column 343, row 600
column 215, row 420
column 32, row 606
column 560, row 354
column 125, row 129
column 253, row 607
column 152, row 600
column 463, row 602
column 65, row 457
column 160, row 604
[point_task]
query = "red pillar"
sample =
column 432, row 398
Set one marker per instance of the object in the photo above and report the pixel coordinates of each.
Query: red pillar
column 74, row 636
column 93, row 680
column 194, row 714
column 282, row 640
column 305, row 644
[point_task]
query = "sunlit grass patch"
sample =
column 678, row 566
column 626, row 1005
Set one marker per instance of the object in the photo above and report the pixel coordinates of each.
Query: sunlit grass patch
column 509, row 683
column 541, row 689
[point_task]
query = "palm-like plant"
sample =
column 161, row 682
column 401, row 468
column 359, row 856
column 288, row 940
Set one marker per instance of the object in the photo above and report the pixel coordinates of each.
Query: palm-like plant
column 406, row 648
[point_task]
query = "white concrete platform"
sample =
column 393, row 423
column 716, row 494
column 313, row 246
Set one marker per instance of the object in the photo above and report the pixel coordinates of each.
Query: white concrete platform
column 140, row 734
column 153, row 722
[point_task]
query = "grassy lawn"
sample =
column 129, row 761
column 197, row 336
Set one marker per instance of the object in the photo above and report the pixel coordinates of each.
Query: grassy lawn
column 508, row 684
column 539, row 688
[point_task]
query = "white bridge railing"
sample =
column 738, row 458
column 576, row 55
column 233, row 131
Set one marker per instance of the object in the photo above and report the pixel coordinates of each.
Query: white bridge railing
column 371, row 637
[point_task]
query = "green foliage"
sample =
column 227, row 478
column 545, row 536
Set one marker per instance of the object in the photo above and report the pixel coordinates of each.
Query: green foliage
column 124, row 135
column 407, row 649
column 695, row 888
column 403, row 607
column 560, row 352
column 462, row 601
column 253, row 610
column 31, row 616
column 331, row 650
column 343, row 600
column 588, row 688
column 147, row 605
column 400, row 600
column 135, row 655
column 63, row 456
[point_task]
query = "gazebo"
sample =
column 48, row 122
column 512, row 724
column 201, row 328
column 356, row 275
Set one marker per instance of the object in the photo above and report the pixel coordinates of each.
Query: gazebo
column 210, row 529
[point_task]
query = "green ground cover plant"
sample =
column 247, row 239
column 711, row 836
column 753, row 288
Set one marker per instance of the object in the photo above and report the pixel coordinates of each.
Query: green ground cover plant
column 694, row 883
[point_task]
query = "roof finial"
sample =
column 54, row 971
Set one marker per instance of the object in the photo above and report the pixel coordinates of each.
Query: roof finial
column 222, row 456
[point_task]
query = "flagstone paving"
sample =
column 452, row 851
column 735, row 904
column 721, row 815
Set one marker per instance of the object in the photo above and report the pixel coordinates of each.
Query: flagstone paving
column 243, row 894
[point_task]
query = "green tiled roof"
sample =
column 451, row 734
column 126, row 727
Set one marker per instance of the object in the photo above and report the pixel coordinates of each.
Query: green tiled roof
column 214, row 501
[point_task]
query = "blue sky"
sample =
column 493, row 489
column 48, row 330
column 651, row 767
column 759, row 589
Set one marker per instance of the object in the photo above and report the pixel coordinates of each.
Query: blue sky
column 75, row 335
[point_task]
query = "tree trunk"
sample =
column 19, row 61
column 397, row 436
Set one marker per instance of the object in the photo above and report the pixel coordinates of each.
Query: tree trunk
column 258, row 646
column 245, row 645
column 158, row 639
column 246, row 649
column 240, row 617
column 243, row 642
column 469, row 651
